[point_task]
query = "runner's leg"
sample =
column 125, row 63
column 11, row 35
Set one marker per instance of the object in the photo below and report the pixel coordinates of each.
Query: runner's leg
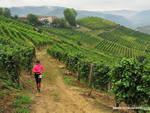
column 39, row 83
column 36, row 79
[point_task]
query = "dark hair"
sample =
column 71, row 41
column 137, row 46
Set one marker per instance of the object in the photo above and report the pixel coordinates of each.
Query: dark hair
column 38, row 61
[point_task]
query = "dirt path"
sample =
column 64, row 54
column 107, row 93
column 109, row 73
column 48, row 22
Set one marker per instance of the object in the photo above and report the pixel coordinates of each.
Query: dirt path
column 55, row 96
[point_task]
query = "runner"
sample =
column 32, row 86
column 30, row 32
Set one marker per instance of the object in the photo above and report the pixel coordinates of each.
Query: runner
column 38, row 70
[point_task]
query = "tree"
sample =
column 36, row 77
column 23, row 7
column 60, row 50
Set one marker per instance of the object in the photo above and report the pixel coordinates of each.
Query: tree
column 6, row 12
column 1, row 11
column 33, row 19
column 15, row 17
column 131, row 83
column 45, row 21
column 60, row 22
column 70, row 16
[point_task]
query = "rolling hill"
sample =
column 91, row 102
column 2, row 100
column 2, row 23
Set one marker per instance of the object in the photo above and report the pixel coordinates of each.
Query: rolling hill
column 97, row 45
column 58, row 11
column 144, row 29
column 137, row 18
column 128, row 18
column 107, row 37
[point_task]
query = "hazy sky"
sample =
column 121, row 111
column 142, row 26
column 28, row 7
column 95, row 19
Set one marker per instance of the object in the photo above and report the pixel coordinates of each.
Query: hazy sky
column 95, row 5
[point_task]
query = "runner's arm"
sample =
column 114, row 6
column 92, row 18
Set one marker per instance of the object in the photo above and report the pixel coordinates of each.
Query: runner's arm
column 42, row 69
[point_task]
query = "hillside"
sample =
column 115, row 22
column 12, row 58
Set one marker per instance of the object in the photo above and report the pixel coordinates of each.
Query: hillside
column 98, row 43
column 18, row 44
column 58, row 11
column 105, row 36
column 115, row 36
column 136, row 18
column 128, row 18
column 144, row 29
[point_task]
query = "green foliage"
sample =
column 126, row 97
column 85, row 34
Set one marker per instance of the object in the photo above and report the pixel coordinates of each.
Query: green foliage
column 22, row 104
column 75, row 36
column 1, row 11
column 16, row 52
column 6, row 12
column 15, row 17
column 131, row 83
column 115, row 39
column 45, row 21
column 69, row 80
column 4, row 93
column 95, row 23
column 33, row 19
column 70, row 16
column 76, row 55
column 59, row 22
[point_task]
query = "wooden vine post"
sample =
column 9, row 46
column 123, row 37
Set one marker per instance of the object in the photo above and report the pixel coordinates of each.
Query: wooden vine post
column 91, row 75
column 78, row 76
column 91, row 78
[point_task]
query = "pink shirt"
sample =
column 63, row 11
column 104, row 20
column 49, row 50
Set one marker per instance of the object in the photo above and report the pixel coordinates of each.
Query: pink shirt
column 37, row 69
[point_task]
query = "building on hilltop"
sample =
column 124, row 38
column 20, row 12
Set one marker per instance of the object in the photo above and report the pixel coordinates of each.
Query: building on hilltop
column 49, row 18
column 41, row 18
column 23, row 18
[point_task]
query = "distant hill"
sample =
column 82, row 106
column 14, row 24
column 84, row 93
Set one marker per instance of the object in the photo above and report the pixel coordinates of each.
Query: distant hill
column 145, row 29
column 58, row 11
column 142, row 18
column 137, row 18
column 125, row 13
column 128, row 18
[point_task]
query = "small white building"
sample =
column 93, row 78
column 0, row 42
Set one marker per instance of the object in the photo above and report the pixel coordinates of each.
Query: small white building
column 49, row 18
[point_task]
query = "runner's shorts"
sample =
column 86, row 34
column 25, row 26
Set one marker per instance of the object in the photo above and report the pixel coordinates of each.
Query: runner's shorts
column 37, row 79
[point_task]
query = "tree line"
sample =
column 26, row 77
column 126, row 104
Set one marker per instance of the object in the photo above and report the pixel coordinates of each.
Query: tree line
column 7, row 13
column 68, row 20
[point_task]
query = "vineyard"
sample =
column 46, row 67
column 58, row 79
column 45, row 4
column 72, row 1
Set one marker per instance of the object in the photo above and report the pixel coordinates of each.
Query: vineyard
column 76, row 56
column 106, row 48
column 101, row 44
column 95, row 23
column 16, row 52
column 118, row 40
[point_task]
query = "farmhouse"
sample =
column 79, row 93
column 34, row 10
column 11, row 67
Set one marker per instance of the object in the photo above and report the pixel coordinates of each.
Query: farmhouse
column 41, row 17
column 49, row 18
column 23, row 18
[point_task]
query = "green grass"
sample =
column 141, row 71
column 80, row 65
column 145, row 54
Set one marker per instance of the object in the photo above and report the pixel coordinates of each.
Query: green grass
column 4, row 93
column 69, row 80
column 31, row 83
column 83, row 90
column 22, row 104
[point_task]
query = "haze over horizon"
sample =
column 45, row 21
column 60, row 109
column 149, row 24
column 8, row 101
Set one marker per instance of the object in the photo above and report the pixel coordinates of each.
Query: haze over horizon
column 94, row 5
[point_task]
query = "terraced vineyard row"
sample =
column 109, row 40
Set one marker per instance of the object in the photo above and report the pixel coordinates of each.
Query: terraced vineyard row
column 118, row 40
column 16, row 51
column 76, row 36
column 124, row 39
column 118, row 50
column 95, row 23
